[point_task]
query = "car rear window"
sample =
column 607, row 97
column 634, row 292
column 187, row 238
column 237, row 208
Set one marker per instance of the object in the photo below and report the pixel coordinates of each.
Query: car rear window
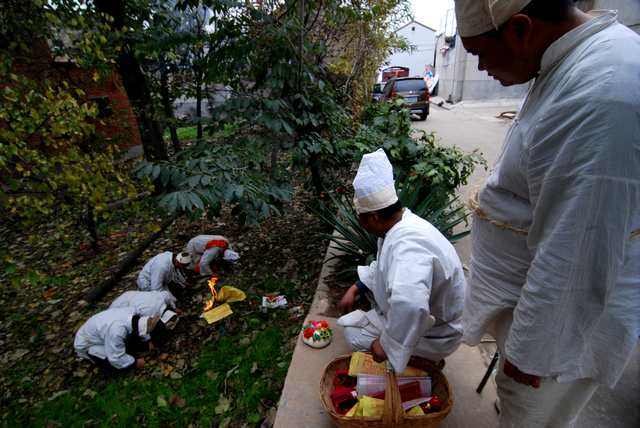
column 410, row 85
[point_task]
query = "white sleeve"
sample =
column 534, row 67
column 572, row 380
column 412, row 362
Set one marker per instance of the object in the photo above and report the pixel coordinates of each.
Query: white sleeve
column 115, row 348
column 367, row 274
column 584, row 190
column 209, row 255
column 407, row 319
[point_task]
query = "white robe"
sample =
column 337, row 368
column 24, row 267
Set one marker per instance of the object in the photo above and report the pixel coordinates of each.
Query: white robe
column 417, row 276
column 202, row 256
column 158, row 272
column 104, row 336
column 561, row 208
column 145, row 303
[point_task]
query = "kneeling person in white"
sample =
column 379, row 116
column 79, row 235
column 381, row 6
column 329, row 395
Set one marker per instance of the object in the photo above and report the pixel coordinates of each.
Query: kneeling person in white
column 416, row 281
column 104, row 336
column 162, row 270
column 146, row 303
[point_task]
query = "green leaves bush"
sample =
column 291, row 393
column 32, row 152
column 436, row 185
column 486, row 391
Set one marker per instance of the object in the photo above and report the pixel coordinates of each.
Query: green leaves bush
column 427, row 176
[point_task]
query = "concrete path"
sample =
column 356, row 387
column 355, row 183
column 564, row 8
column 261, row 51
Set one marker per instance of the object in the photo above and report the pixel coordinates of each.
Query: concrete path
column 300, row 405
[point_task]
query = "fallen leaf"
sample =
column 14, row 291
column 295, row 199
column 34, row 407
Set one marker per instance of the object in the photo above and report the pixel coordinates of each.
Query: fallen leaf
column 177, row 401
column 254, row 367
column 223, row 406
column 161, row 401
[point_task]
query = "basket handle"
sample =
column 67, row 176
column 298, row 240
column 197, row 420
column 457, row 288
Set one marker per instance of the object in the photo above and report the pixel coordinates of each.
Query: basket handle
column 393, row 411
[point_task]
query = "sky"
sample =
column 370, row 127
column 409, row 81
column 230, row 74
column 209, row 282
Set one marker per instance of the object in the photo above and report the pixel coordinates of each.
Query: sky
column 433, row 13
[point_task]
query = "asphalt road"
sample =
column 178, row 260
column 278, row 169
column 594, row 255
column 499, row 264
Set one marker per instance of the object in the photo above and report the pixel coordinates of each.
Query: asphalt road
column 475, row 126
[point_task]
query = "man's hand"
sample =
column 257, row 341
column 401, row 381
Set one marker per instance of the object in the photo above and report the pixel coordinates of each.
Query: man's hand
column 349, row 298
column 526, row 379
column 139, row 363
column 378, row 352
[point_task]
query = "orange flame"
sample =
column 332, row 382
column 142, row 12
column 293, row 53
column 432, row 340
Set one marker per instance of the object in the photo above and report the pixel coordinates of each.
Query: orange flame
column 212, row 286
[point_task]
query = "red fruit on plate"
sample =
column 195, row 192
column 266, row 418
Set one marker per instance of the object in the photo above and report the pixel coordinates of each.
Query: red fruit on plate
column 323, row 324
column 308, row 332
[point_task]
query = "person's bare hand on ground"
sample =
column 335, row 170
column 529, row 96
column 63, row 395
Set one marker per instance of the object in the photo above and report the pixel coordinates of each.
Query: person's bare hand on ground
column 526, row 379
column 139, row 363
column 348, row 300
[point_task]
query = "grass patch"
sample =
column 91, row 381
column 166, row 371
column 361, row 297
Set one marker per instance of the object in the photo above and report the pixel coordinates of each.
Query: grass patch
column 230, row 380
column 185, row 133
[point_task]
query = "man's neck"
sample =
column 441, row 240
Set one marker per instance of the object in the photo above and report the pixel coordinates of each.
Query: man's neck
column 393, row 221
column 554, row 31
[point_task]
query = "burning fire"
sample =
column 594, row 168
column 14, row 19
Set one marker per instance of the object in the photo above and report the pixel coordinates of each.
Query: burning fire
column 212, row 286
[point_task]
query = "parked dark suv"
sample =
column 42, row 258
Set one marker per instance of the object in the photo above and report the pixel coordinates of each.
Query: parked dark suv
column 414, row 92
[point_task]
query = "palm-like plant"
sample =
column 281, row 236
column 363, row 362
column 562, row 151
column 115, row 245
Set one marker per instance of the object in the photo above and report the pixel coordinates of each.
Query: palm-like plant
column 355, row 246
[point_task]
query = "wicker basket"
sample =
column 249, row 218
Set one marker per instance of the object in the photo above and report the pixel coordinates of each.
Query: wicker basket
column 393, row 415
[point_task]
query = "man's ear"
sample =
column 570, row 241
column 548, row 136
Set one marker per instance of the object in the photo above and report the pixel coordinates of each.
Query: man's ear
column 517, row 32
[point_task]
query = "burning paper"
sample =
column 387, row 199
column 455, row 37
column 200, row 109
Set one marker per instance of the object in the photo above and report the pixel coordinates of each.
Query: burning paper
column 212, row 286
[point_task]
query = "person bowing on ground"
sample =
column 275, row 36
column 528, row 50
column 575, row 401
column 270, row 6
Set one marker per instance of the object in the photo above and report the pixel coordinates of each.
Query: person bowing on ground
column 208, row 250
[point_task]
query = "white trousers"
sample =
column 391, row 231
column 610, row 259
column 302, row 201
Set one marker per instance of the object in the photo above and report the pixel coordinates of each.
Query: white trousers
column 361, row 334
column 553, row 405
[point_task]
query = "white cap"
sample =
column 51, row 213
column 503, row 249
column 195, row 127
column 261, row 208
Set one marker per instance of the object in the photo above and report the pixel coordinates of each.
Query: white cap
column 183, row 258
column 167, row 316
column 373, row 186
column 476, row 17
column 230, row 256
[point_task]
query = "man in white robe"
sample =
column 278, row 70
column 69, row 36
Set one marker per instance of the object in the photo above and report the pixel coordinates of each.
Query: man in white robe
column 103, row 337
column 416, row 281
column 162, row 270
column 206, row 250
column 555, row 270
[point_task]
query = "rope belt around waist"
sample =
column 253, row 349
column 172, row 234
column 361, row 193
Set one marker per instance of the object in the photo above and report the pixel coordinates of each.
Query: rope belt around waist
column 474, row 206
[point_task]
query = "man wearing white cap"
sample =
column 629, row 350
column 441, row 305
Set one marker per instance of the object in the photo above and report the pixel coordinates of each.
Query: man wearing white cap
column 103, row 337
column 416, row 281
column 206, row 250
column 162, row 270
column 555, row 270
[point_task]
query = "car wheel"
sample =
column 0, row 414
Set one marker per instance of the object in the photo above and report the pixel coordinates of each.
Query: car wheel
column 424, row 114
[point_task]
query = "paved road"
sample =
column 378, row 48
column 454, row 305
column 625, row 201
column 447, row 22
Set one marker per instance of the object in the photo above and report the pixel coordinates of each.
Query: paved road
column 476, row 127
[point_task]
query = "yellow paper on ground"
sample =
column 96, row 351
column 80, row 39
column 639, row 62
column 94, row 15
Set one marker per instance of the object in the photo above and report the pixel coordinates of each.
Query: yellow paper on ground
column 228, row 294
column 362, row 363
column 371, row 407
column 415, row 411
column 217, row 313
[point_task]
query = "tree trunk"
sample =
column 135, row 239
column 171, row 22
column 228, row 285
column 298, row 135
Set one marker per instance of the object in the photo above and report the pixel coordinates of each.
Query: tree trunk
column 125, row 265
column 316, row 175
column 168, row 108
column 136, row 85
column 199, row 107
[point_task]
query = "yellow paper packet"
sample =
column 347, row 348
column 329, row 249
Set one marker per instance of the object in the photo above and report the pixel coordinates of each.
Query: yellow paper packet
column 362, row 363
column 415, row 411
column 371, row 407
column 229, row 294
column 217, row 313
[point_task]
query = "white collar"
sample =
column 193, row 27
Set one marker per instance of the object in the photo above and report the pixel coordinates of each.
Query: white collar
column 565, row 44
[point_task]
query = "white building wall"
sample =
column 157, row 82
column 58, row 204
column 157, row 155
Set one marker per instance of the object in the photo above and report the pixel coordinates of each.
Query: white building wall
column 461, row 80
column 424, row 41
